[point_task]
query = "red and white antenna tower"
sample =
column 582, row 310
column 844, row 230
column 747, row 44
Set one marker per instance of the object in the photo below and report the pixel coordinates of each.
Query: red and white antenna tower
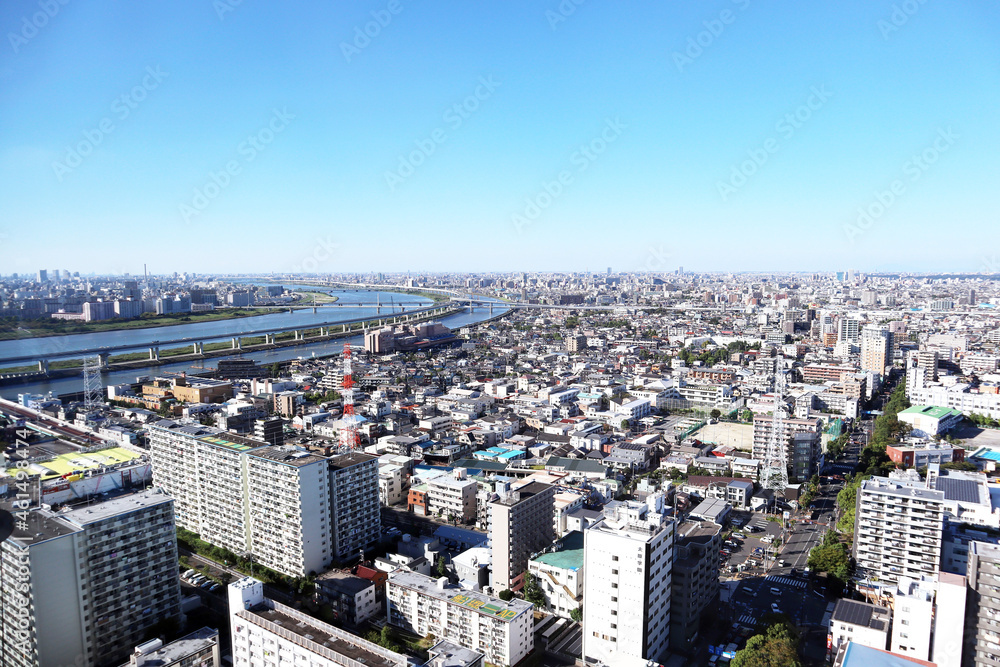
column 349, row 422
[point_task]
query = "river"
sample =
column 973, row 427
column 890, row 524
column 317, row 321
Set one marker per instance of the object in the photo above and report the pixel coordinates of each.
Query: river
column 198, row 331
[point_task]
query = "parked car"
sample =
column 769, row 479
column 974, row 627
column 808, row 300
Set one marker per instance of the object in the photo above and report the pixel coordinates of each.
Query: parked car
column 774, row 608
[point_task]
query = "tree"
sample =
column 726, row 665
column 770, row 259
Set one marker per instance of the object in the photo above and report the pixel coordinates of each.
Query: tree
column 577, row 614
column 715, row 414
column 533, row 593
column 624, row 425
column 775, row 647
column 442, row 567
column 505, row 595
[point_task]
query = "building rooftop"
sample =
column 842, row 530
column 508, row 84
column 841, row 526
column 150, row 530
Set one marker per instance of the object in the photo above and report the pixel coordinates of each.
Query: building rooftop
column 568, row 554
column 38, row 526
column 861, row 613
column 288, row 455
column 857, row 655
column 478, row 602
column 77, row 462
column 123, row 504
column 175, row 651
column 231, row 441
column 319, row 637
column 930, row 411
column 342, row 461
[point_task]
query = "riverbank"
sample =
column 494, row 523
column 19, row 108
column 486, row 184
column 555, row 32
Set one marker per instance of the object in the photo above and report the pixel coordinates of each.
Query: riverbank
column 135, row 360
column 49, row 328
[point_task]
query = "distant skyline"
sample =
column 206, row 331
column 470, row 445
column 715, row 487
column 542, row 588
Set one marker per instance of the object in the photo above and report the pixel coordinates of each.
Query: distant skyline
column 732, row 135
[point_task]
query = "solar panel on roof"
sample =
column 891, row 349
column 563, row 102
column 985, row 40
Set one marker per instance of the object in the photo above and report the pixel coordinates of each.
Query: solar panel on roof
column 962, row 490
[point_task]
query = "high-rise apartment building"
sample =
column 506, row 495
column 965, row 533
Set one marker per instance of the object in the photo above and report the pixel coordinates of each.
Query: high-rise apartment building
column 89, row 582
column 694, row 580
column 982, row 639
column 898, row 530
column 876, row 349
column 354, row 506
column 294, row 511
column 628, row 560
column 849, row 330
column 520, row 526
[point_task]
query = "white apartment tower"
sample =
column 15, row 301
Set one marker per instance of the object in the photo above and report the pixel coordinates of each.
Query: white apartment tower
column 247, row 496
column 876, row 349
column 87, row 583
column 628, row 557
column 897, row 531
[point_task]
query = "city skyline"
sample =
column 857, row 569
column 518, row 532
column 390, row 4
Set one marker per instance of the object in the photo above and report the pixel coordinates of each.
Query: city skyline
column 730, row 136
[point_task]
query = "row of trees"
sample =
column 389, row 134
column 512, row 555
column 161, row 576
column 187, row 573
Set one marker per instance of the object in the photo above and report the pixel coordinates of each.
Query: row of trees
column 777, row 646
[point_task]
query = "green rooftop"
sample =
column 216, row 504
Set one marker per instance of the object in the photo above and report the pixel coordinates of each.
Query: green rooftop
column 933, row 411
column 569, row 557
column 230, row 442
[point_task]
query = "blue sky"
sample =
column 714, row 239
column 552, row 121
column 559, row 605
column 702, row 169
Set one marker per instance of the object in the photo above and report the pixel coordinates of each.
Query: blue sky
column 715, row 135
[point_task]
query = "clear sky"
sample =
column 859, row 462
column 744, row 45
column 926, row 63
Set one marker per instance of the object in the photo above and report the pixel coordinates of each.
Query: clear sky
column 513, row 135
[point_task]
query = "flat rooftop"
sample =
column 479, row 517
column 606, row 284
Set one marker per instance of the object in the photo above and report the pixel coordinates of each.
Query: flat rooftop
column 175, row 651
column 478, row 602
column 71, row 462
column 351, row 459
column 123, row 504
column 289, row 455
column 38, row 526
column 313, row 634
column 569, row 554
column 862, row 614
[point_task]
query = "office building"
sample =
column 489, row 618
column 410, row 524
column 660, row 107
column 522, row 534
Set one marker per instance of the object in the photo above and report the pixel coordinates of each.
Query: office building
column 928, row 421
column 503, row 631
column 982, row 641
column 354, row 504
column 628, row 560
column 266, row 633
column 520, row 525
column 88, row 582
column 897, row 531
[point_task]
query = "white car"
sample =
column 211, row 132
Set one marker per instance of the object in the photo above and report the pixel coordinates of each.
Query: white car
column 774, row 608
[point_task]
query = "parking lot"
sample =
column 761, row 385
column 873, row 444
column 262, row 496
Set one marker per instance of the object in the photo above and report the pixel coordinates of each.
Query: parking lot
column 748, row 554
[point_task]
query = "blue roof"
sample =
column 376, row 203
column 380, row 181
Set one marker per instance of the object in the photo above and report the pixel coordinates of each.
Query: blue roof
column 858, row 655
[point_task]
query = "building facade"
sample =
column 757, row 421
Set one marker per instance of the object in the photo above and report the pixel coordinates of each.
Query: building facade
column 520, row 525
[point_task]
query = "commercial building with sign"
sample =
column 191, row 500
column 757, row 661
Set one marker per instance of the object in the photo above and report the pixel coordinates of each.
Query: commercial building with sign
column 503, row 631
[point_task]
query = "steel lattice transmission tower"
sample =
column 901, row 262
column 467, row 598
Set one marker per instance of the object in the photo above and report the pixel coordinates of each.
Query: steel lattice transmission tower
column 349, row 422
column 775, row 474
column 93, row 388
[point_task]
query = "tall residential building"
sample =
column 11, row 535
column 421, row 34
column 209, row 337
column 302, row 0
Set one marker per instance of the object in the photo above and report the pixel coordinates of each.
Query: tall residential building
column 520, row 526
column 876, row 349
column 196, row 649
column 89, row 582
column 929, row 619
column 848, row 330
column 897, row 530
column 628, row 559
column 503, row 631
column 695, row 579
column 247, row 496
column 354, row 507
column 266, row 633
column 982, row 641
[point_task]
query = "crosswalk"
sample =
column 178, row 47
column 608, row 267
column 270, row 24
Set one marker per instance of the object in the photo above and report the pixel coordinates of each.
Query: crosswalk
column 748, row 620
column 787, row 581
